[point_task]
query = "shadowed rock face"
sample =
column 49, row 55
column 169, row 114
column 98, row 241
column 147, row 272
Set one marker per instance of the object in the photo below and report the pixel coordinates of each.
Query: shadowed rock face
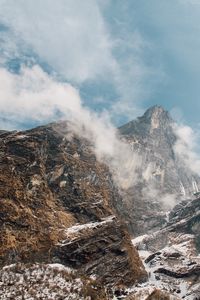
column 161, row 173
column 56, row 205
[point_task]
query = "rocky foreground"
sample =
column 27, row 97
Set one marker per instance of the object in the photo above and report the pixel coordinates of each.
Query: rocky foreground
column 171, row 255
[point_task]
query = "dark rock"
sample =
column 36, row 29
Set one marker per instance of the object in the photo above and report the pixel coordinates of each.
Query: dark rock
column 151, row 257
column 195, row 271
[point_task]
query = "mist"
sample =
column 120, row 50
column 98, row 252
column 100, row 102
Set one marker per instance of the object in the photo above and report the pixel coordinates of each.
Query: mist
column 187, row 147
column 34, row 96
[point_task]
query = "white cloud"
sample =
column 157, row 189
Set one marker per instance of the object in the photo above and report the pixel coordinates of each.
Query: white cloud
column 169, row 200
column 69, row 35
column 33, row 95
column 186, row 147
column 75, row 39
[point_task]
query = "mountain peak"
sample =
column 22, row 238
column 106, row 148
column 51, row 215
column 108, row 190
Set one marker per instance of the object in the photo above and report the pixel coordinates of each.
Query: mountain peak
column 156, row 117
column 155, row 108
column 156, row 111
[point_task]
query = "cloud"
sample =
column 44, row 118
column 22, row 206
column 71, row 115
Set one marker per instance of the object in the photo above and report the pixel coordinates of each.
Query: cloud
column 68, row 35
column 153, row 190
column 35, row 96
column 186, row 147
column 156, row 195
column 123, row 45
column 77, row 41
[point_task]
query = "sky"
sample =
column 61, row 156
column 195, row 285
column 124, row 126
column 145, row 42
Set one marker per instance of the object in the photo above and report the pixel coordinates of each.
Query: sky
column 118, row 56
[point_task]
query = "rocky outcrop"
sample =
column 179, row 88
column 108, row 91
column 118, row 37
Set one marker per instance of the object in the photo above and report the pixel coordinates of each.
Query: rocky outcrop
column 171, row 254
column 56, row 206
column 153, row 137
column 161, row 177
column 194, row 271
column 182, row 227
column 91, row 251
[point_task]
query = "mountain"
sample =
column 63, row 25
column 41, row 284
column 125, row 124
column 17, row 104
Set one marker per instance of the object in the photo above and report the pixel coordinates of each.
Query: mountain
column 153, row 137
column 68, row 232
column 163, row 179
column 56, row 207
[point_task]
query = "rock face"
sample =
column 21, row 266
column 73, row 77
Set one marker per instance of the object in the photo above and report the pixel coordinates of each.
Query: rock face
column 56, row 206
column 171, row 255
column 89, row 249
column 162, row 176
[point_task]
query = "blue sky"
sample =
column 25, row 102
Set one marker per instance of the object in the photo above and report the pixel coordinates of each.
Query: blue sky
column 122, row 56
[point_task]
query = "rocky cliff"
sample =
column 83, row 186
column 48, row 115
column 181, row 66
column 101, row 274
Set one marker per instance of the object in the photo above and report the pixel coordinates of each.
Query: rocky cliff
column 56, row 207
column 163, row 179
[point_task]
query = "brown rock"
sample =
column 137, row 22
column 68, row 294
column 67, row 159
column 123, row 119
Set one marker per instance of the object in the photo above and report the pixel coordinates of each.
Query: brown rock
column 49, row 183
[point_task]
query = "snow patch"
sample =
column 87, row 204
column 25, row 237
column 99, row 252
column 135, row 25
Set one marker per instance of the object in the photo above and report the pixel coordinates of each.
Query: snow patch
column 72, row 232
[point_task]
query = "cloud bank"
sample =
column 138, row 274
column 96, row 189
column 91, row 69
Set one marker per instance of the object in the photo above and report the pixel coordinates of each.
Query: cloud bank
column 75, row 40
column 35, row 96
column 68, row 35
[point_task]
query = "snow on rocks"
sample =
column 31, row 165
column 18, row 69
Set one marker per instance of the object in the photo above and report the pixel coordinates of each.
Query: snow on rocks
column 174, row 268
column 75, row 231
column 42, row 281
column 139, row 241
